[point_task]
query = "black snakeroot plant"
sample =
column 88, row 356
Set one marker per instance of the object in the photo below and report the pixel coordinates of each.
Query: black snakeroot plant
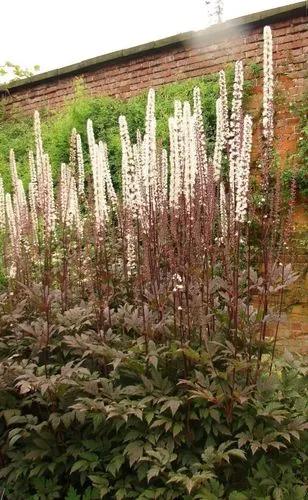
column 136, row 359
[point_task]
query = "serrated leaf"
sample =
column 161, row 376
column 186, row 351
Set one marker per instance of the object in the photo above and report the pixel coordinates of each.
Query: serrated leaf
column 115, row 464
column 134, row 452
column 172, row 404
column 237, row 453
column 153, row 472
column 79, row 465
column 177, row 428
column 72, row 494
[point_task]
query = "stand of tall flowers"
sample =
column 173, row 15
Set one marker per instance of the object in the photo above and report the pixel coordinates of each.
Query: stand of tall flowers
column 180, row 242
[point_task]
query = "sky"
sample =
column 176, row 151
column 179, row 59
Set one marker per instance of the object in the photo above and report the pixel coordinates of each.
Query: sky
column 61, row 32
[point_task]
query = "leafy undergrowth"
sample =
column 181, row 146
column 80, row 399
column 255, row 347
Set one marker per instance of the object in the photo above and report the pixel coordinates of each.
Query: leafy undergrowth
column 97, row 415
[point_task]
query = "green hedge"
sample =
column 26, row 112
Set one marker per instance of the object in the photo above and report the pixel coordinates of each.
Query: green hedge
column 17, row 133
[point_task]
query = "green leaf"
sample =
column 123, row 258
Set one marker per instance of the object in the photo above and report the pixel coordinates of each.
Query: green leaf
column 153, row 472
column 134, row 451
column 97, row 419
column 237, row 453
column 172, row 404
column 115, row 464
column 68, row 418
column 14, row 439
column 215, row 415
column 80, row 465
column 101, row 483
column 177, row 428
column 90, row 457
column 237, row 495
column 72, row 494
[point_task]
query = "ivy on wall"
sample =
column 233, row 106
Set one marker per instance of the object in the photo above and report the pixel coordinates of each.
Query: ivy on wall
column 298, row 168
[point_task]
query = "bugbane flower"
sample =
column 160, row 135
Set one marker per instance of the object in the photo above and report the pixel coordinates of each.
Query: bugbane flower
column 49, row 202
column 149, row 144
column 219, row 143
column 223, row 210
column 177, row 161
column 202, row 164
column 224, row 106
column 80, row 163
column 109, row 184
column 129, row 178
column 99, row 180
column 99, row 184
column 268, row 85
column 13, row 168
column 14, row 230
column 33, row 211
column 189, row 153
column 164, row 175
column 235, row 127
column 33, row 177
column 2, row 205
column 242, row 177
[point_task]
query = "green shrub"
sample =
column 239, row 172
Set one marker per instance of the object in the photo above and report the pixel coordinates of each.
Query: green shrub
column 114, row 421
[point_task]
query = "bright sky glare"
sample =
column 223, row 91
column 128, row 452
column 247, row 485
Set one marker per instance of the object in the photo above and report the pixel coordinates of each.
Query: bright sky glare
column 61, row 32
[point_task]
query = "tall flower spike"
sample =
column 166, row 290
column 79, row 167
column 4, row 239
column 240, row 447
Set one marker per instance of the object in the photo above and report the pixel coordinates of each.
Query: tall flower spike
column 186, row 152
column 33, row 212
column 2, row 205
column 235, row 127
column 91, row 141
column 39, row 154
column 224, row 106
column 223, row 211
column 190, row 157
column 219, row 143
column 149, row 148
column 73, row 150
column 172, row 163
column 74, row 209
column 268, row 85
column 80, row 163
column 14, row 232
column 200, row 137
column 129, row 179
column 49, row 202
column 109, row 184
column 176, row 155
column 33, row 176
column 13, row 168
column 99, row 183
column 243, row 171
column 64, row 191
column 164, row 174
column 21, row 203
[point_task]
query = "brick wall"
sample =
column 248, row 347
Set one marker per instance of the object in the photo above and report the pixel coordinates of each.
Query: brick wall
column 131, row 71
column 128, row 72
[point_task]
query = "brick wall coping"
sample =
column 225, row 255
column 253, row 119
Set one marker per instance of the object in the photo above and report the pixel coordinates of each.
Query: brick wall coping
column 208, row 33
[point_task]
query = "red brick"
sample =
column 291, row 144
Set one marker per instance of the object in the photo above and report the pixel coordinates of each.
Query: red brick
column 129, row 76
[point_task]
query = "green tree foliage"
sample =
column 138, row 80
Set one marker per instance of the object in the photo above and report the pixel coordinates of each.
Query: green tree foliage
column 11, row 72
